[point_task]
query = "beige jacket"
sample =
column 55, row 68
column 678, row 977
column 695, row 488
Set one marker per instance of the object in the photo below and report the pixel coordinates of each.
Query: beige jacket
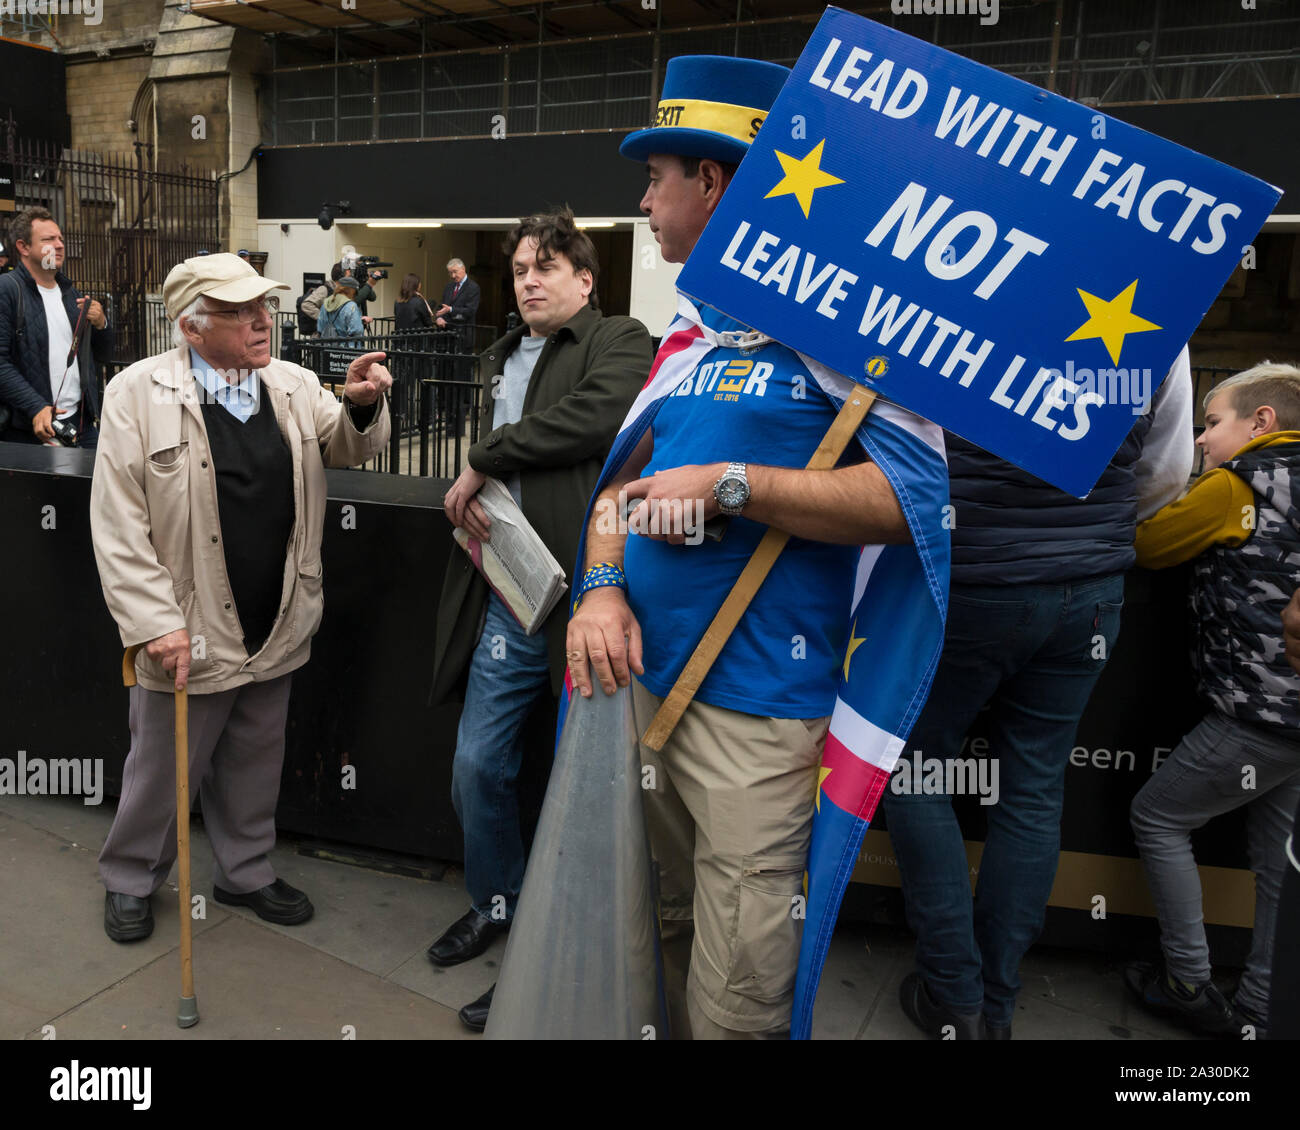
column 155, row 527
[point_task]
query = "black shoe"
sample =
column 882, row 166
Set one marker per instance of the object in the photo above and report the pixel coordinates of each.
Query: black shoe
column 277, row 902
column 937, row 1022
column 467, row 937
column 1205, row 1011
column 127, row 918
column 474, row 1015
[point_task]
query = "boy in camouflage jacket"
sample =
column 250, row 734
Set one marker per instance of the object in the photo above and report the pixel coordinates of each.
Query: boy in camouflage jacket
column 1240, row 522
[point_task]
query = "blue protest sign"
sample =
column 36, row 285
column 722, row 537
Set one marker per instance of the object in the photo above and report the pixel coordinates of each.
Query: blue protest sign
column 1015, row 266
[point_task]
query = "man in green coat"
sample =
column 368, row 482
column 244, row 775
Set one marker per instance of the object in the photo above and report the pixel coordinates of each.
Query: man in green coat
column 556, row 390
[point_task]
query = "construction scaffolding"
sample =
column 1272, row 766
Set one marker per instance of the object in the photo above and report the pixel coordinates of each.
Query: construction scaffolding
column 386, row 82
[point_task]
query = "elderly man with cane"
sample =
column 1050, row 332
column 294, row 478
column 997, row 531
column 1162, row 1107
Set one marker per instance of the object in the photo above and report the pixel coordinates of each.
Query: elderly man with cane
column 207, row 510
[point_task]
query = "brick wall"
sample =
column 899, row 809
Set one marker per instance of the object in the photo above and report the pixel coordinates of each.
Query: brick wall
column 100, row 96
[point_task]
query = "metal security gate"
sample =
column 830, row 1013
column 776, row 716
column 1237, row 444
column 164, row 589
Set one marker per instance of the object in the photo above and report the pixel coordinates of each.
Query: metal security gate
column 434, row 400
column 125, row 221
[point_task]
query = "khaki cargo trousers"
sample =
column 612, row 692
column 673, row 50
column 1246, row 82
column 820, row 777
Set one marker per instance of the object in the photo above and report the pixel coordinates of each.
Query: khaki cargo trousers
column 729, row 810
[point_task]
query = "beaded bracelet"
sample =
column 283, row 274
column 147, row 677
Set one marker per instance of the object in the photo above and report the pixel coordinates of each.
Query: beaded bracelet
column 600, row 575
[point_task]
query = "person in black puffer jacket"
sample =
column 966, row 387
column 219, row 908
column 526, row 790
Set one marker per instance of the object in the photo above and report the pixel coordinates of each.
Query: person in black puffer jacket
column 1033, row 613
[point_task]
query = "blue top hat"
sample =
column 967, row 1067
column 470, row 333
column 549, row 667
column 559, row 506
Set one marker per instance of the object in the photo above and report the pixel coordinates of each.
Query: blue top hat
column 711, row 106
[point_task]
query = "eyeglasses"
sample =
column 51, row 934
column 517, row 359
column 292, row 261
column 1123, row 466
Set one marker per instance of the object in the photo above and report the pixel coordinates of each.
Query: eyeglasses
column 249, row 312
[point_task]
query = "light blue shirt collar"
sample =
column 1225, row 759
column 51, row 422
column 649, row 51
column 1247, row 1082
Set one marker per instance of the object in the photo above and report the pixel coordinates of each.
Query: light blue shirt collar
column 240, row 400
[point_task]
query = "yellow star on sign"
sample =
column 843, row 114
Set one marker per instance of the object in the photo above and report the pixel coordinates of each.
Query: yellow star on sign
column 803, row 177
column 1111, row 320
column 822, row 774
column 855, row 642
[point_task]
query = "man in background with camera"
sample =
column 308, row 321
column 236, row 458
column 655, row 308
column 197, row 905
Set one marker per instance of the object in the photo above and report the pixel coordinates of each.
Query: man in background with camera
column 50, row 338
column 365, row 268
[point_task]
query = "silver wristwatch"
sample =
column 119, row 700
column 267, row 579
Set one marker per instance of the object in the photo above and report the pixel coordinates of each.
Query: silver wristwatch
column 732, row 490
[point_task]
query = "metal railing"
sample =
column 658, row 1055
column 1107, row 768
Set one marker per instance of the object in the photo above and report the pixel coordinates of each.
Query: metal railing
column 434, row 401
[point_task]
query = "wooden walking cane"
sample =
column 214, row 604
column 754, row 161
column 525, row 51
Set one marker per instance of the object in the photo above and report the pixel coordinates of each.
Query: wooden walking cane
column 850, row 416
column 187, row 1011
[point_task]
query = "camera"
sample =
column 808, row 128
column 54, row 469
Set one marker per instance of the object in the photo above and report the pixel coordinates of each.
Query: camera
column 66, row 434
column 368, row 263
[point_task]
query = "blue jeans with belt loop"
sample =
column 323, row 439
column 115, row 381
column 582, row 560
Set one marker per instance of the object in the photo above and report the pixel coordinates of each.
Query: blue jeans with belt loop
column 507, row 674
column 1031, row 654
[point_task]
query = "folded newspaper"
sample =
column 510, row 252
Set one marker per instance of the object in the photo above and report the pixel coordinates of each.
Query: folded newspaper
column 520, row 569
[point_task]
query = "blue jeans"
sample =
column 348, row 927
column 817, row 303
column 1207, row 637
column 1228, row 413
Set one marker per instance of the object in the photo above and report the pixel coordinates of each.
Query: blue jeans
column 508, row 673
column 1032, row 653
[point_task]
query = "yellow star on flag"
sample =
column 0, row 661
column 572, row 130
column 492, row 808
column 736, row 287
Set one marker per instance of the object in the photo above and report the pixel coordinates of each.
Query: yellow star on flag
column 1111, row 320
column 822, row 774
column 855, row 642
column 803, row 177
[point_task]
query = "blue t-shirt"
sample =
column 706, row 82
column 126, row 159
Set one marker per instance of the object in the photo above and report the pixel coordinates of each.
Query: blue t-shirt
column 782, row 661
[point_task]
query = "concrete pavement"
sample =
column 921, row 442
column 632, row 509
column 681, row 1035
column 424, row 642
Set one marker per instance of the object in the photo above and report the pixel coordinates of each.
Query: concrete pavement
column 360, row 962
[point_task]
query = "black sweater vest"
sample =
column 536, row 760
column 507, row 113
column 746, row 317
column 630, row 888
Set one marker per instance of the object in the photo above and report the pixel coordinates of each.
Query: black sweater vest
column 254, row 469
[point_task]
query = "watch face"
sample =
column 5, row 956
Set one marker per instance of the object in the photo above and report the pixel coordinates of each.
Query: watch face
column 732, row 492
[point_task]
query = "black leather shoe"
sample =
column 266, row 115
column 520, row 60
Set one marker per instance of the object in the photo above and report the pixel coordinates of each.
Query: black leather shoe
column 277, row 902
column 467, row 937
column 474, row 1015
column 937, row 1022
column 127, row 918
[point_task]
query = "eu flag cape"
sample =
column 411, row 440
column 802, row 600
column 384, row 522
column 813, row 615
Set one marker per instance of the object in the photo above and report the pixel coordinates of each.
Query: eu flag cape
column 898, row 605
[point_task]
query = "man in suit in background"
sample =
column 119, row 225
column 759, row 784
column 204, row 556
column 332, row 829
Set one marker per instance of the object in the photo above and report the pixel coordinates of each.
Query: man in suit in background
column 460, row 298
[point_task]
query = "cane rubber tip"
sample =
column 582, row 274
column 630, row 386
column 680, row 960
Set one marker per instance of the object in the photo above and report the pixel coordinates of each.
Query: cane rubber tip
column 187, row 1013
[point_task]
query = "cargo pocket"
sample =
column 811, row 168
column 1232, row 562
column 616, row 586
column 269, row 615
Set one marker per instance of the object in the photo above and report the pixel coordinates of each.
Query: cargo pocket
column 765, row 948
column 167, row 495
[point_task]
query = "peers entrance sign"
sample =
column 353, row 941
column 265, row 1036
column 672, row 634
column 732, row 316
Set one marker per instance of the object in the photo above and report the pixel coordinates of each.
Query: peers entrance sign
column 1014, row 266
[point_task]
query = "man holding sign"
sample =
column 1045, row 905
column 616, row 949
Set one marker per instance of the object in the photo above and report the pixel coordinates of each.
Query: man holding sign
column 1025, row 272
column 726, row 427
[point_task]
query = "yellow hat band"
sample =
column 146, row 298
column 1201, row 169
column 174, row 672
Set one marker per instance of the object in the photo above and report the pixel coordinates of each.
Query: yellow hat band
column 739, row 122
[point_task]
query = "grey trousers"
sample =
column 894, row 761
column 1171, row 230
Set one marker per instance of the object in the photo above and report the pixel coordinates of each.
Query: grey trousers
column 236, row 741
column 1221, row 765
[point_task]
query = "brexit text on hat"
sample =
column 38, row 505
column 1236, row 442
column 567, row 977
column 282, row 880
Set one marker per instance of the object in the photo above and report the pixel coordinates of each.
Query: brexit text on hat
column 689, row 113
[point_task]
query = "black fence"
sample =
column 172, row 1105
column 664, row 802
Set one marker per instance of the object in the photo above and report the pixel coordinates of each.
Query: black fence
column 434, row 400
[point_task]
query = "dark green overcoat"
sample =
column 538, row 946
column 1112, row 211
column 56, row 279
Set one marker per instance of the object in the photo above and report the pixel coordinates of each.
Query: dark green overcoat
column 586, row 377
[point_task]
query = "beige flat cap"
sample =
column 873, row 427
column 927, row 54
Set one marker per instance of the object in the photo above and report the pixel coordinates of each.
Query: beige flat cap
column 223, row 276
